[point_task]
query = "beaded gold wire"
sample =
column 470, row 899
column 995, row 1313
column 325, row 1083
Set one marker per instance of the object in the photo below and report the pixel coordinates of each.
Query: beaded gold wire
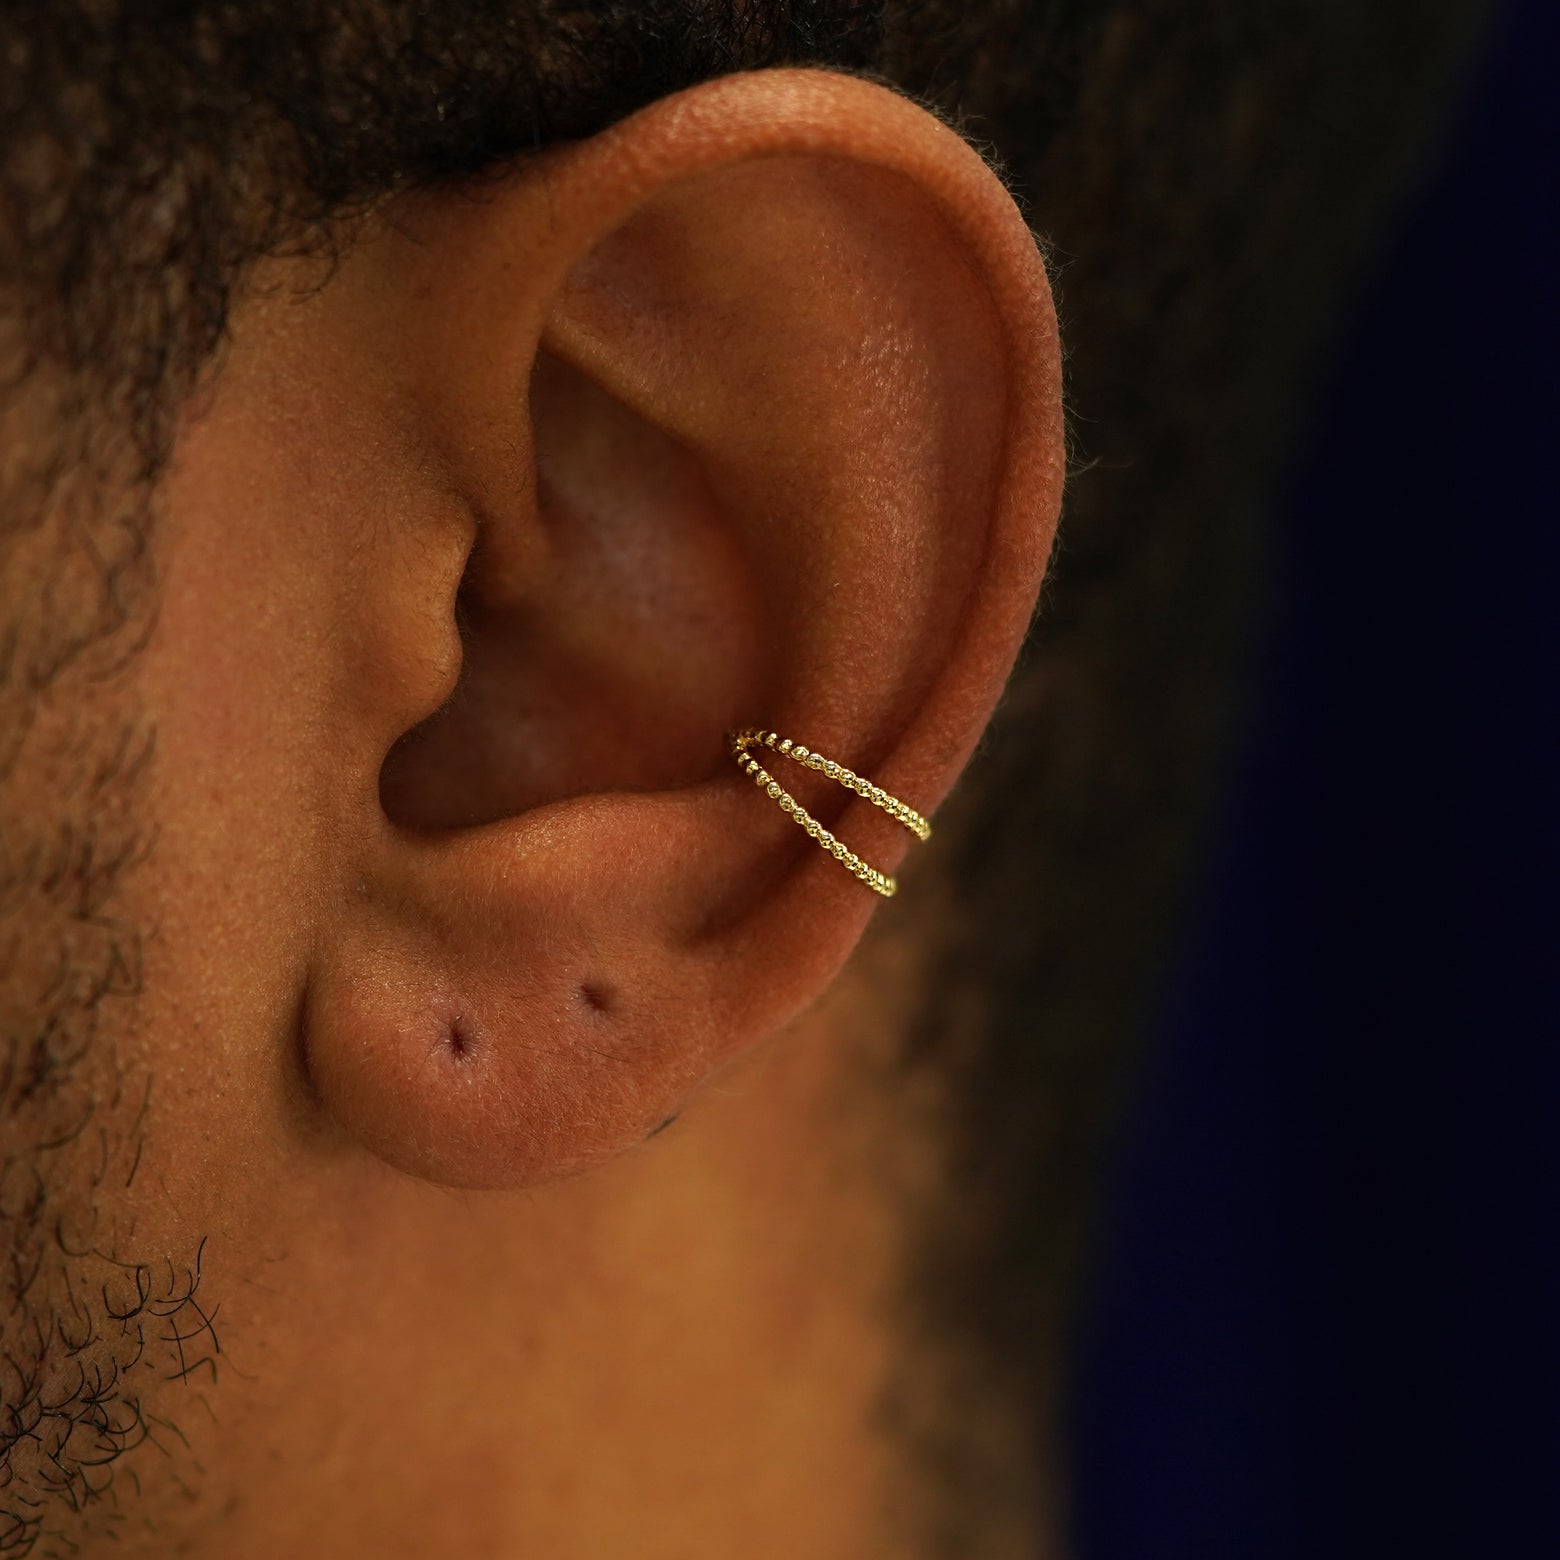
column 741, row 743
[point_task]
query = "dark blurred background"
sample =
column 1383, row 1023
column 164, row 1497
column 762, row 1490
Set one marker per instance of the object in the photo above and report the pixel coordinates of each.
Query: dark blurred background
column 1326, row 1313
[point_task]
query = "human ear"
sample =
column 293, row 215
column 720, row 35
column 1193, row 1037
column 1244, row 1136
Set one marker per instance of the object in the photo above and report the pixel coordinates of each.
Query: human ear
column 743, row 412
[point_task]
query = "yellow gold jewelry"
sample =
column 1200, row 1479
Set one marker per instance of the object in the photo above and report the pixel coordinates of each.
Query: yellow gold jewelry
column 741, row 743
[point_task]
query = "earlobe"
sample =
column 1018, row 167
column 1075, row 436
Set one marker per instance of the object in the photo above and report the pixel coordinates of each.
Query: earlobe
column 754, row 402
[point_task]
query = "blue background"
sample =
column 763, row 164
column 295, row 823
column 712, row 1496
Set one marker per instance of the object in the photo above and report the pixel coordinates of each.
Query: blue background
column 1326, row 1320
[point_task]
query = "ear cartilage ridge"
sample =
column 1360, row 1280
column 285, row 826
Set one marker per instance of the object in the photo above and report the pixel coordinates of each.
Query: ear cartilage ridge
column 757, row 736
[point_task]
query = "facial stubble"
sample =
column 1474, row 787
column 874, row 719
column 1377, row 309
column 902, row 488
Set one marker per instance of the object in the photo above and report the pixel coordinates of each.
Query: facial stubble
column 100, row 1338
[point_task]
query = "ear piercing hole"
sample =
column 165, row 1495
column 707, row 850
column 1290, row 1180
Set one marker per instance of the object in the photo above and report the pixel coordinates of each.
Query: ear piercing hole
column 596, row 999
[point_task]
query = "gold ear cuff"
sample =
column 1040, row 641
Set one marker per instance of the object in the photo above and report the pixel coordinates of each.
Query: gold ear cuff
column 741, row 742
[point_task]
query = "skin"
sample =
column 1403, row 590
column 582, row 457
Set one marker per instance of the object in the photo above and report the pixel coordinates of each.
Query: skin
column 470, row 552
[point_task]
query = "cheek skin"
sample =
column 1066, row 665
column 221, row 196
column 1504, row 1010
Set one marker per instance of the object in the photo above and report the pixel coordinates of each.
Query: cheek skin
column 323, row 1264
column 274, row 704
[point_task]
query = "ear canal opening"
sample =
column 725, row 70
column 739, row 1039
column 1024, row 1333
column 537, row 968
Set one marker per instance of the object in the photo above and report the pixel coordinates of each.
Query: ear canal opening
column 608, row 662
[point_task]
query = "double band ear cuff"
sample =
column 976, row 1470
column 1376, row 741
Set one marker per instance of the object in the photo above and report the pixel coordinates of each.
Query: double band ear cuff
column 743, row 742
